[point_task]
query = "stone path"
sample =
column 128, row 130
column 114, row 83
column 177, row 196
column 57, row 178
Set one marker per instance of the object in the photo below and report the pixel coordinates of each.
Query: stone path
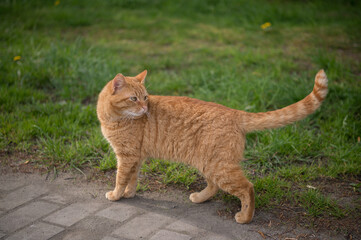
column 32, row 207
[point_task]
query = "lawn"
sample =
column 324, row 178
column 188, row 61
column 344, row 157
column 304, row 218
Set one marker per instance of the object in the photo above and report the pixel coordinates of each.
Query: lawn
column 57, row 56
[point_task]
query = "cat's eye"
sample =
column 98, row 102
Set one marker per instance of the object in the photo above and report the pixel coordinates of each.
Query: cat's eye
column 134, row 99
column 145, row 98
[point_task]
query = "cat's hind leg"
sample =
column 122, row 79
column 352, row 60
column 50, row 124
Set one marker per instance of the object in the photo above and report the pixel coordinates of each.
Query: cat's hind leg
column 232, row 180
column 205, row 194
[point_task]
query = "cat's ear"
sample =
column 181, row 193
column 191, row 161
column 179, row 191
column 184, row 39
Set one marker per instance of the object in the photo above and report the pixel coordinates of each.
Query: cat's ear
column 118, row 82
column 141, row 76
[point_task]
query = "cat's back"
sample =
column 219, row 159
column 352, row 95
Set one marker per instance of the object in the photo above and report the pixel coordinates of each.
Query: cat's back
column 183, row 107
column 181, row 128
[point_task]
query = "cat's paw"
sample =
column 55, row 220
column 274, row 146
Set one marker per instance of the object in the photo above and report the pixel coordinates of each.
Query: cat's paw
column 129, row 194
column 112, row 196
column 195, row 198
column 241, row 217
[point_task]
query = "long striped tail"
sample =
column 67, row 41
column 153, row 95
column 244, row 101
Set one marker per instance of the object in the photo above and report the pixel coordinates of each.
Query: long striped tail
column 291, row 113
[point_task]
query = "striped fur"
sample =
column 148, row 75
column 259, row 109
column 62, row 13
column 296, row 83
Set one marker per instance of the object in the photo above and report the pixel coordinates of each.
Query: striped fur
column 208, row 136
column 291, row 113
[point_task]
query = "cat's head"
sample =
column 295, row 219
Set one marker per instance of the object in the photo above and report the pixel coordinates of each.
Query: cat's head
column 129, row 98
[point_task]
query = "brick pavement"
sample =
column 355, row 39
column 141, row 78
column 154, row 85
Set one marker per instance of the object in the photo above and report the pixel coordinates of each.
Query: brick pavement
column 34, row 208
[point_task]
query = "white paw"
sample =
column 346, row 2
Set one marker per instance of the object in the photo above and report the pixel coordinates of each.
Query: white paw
column 111, row 196
column 194, row 197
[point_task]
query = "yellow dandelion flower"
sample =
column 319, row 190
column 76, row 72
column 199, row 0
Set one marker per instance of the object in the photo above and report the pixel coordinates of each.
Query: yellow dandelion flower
column 265, row 25
column 17, row 58
column 56, row 3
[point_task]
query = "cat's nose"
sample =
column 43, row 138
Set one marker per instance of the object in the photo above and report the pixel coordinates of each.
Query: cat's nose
column 145, row 108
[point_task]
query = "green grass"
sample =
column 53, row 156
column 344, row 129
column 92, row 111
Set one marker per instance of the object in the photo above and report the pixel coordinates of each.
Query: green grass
column 316, row 204
column 212, row 50
column 169, row 172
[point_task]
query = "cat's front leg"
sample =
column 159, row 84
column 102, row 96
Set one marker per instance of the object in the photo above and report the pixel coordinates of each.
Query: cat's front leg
column 125, row 171
column 131, row 188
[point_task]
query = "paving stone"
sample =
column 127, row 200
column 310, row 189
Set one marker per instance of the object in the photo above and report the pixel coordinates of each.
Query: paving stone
column 91, row 227
column 39, row 231
column 119, row 212
column 25, row 215
column 214, row 236
column 73, row 213
column 55, row 198
column 142, row 226
column 76, row 234
column 181, row 226
column 21, row 196
column 165, row 235
column 2, row 234
column 10, row 185
column 109, row 238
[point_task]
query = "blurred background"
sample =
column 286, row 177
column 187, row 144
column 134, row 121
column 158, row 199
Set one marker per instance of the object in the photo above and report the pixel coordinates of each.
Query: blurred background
column 252, row 55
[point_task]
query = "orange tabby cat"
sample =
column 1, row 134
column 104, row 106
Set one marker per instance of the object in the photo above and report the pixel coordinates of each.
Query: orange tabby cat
column 206, row 135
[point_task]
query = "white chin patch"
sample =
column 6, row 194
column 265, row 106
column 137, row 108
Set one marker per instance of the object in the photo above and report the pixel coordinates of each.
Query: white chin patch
column 132, row 114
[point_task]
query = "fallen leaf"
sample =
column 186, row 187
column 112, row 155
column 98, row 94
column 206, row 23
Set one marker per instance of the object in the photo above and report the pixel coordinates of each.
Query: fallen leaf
column 311, row 187
column 262, row 234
